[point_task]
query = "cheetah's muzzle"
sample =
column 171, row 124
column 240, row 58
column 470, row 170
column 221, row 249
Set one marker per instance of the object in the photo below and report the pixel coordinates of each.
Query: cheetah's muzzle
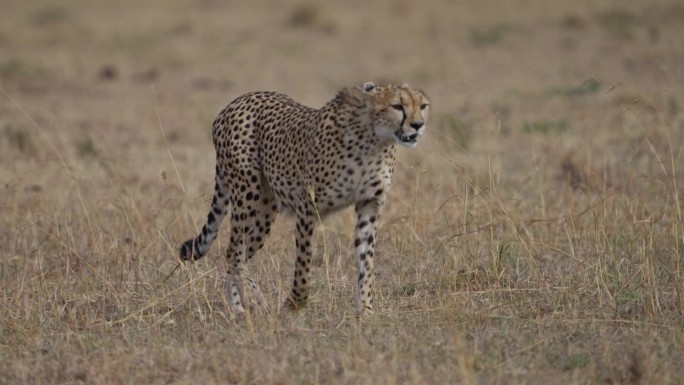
column 408, row 140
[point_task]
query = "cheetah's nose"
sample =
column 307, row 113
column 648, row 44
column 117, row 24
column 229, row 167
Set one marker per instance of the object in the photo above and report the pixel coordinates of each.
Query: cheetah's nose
column 417, row 125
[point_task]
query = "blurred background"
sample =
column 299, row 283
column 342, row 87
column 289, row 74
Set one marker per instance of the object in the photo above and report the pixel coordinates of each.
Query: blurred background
column 93, row 69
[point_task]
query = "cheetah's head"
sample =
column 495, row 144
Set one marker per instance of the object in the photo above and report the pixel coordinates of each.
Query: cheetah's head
column 400, row 113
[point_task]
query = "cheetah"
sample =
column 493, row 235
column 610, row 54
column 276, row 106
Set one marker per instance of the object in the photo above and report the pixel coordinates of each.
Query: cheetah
column 274, row 154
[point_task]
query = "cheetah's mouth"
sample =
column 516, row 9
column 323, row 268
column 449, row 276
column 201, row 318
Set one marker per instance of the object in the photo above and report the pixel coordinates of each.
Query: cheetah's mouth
column 407, row 140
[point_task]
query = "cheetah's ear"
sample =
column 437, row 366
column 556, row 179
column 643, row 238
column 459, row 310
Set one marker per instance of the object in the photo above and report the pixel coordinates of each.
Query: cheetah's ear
column 368, row 86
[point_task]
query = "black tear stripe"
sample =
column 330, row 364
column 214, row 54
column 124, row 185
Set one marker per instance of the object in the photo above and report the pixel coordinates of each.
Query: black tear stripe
column 403, row 115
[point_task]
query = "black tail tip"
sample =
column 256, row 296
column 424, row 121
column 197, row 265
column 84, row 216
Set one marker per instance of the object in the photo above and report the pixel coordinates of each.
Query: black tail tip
column 188, row 251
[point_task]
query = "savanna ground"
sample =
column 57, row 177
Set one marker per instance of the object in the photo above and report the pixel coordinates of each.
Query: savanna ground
column 533, row 236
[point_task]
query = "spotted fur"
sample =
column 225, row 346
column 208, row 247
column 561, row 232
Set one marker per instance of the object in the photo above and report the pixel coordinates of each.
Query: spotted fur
column 273, row 153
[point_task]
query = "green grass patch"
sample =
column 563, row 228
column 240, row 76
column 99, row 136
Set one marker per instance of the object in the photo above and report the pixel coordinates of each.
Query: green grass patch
column 619, row 23
column 556, row 126
column 588, row 87
column 86, row 148
column 18, row 138
column 14, row 69
column 51, row 14
column 575, row 361
column 483, row 37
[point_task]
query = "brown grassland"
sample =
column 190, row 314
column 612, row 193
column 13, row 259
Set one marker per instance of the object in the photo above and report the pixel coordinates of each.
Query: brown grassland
column 535, row 235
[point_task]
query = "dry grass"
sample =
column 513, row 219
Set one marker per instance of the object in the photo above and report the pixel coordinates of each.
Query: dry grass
column 534, row 236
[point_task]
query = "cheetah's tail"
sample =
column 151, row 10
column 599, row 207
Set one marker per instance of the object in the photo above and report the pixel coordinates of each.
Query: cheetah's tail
column 196, row 248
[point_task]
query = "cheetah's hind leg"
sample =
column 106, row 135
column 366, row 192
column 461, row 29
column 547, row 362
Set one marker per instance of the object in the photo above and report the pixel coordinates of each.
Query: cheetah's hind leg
column 250, row 226
column 244, row 294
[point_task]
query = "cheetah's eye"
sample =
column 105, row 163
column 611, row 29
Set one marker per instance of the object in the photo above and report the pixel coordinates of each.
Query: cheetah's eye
column 398, row 107
column 423, row 106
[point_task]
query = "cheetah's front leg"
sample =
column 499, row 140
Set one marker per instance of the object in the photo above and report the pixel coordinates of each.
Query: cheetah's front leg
column 368, row 215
